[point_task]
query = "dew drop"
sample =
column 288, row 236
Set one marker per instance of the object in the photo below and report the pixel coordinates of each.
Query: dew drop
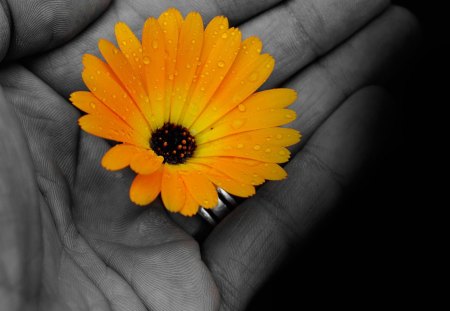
column 124, row 42
column 268, row 66
column 256, row 147
column 253, row 77
column 188, row 66
column 214, row 108
column 115, row 51
column 171, row 77
column 289, row 116
column 193, row 41
column 92, row 104
column 146, row 60
column 91, row 77
column 99, row 72
column 242, row 108
column 279, row 136
column 237, row 124
column 205, row 202
column 268, row 150
column 221, row 64
column 221, row 27
column 240, row 146
column 224, row 36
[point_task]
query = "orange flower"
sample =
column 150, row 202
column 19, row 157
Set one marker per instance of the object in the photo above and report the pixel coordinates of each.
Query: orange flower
column 183, row 107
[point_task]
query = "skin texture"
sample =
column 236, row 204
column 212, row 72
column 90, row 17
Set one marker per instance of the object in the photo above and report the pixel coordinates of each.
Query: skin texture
column 70, row 239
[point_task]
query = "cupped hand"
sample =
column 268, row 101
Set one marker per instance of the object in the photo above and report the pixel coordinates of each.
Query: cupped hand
column 70, row 239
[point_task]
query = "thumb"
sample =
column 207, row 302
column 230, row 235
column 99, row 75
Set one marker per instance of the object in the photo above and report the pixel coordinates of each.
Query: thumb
column 28, row 27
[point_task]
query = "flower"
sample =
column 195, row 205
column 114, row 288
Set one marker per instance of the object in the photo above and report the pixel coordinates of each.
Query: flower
column 183, row 107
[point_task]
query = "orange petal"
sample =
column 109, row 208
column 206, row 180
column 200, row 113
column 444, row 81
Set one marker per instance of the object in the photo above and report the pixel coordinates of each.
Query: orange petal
column 119, row 156
column 101, row 81
column 245, row 76
column 170, row 22
column 153, row 44
column 246, row 145
column 229, row 184
column 201, row 189
column 247, row 122
column 127, row 76
column 146, row 162
column 173, row 192
column 188, row 55
column 213, row 71
column 87, row 102
column 145, row 188
column 269, row 171
column 112, row 129
column 236, row 170
column 131, row 47
column 190, row 207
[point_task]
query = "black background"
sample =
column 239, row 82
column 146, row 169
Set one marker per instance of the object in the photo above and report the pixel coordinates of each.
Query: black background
column 370, row 252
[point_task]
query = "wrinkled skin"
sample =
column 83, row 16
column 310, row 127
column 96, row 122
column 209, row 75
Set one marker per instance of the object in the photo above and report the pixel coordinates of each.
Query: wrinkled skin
column 70, row 239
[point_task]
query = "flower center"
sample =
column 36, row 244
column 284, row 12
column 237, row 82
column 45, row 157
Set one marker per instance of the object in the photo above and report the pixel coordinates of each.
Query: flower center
column 173, row 142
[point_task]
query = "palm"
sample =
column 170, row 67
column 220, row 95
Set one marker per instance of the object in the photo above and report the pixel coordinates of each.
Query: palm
column 101, row 250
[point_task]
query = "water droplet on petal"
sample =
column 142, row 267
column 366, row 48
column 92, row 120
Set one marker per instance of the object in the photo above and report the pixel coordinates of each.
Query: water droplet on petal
column 253, row 77
column 171, row 77
column 279, row 136
column 221, row 64
column 224, row 36
column 155, row 44
column 193, row 41
column 124, row 42
column 115, row 51
column 240, row 146
column 221, row 27
column 92, row 104
column 256, row 147
column 289, row 116
column 146, row 60
column 242, row 108
column 205, row 202
column 268, row 150
column 237, row 124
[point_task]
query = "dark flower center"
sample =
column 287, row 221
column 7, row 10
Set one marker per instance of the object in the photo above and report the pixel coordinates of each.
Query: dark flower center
column 174, row 143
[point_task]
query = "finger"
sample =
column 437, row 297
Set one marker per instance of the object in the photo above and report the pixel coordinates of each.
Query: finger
column 20, row 239
column 244, row 249
column 297, row 32
column 38, row 25
column 62, row 67
column 372, row 56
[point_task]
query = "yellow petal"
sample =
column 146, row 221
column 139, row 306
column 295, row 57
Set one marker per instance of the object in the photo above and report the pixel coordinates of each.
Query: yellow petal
column 153, row 44
column 170, row 22
column 146, row 162
column 269, row 171
column 145, row 188
column 112, row 129
column 102, row 83
column 173, row 192
column 201, row 189
column 119, row 156
column 127, row 76
column 245, row 76
column 236, row 170
column 246, row 145
column 188, row 55
column 247, row 122
column 214, row 69
column 190, row 207
column 228, row 184
column 131, row 47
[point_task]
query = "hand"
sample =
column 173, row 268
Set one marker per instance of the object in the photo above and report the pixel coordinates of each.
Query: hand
column 69, row 237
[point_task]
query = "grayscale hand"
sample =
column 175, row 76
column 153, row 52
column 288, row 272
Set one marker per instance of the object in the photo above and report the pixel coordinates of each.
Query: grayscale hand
column 70, row 239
